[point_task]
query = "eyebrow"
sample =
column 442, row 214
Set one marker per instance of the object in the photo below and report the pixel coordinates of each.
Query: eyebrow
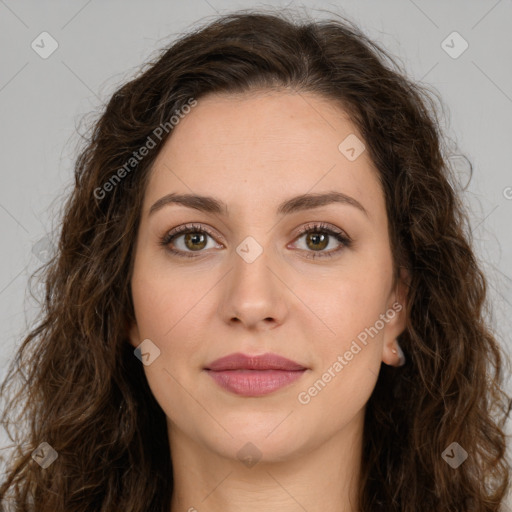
column 295, row 204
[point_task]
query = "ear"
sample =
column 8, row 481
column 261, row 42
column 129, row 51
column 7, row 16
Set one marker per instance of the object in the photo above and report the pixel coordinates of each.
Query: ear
column 397, row 318
column 133, row 334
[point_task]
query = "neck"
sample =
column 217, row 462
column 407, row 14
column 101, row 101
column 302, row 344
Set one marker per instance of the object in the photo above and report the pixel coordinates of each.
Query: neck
column 321, row 477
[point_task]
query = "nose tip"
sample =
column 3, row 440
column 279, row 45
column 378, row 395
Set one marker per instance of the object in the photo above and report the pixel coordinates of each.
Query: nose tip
column 250, row 316
column 253, row 296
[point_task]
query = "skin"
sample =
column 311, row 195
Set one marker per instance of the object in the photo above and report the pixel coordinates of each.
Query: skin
column 253, row 152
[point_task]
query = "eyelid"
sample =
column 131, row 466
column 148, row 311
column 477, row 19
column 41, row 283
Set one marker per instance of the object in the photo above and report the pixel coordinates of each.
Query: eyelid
column 191, row 226
column 321, row 226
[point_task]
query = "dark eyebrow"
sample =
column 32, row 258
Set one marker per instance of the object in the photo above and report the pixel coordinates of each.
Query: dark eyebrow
column 309, row 201
column 303, row 202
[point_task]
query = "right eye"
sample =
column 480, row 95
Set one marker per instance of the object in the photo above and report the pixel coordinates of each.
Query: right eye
column 192, row 239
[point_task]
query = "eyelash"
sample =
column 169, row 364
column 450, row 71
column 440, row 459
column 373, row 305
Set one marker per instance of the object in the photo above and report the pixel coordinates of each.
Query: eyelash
column 308, row 228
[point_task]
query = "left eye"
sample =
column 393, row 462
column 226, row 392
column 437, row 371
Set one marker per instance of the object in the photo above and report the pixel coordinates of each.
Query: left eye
column 318, row 238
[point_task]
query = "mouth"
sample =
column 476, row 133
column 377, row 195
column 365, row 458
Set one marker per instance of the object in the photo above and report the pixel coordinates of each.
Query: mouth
column 254, row 375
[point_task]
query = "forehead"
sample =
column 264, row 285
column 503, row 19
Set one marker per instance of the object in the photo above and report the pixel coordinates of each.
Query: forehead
column 237, row 146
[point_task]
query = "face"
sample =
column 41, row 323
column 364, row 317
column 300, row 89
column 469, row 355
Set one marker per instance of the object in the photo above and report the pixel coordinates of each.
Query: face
column 308, row 281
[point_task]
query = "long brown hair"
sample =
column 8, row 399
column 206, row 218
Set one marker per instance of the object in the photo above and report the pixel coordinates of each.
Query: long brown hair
column 84, row 393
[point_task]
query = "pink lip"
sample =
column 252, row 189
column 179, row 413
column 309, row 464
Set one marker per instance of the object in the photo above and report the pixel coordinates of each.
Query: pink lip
column 254, row 375
column 241, row 361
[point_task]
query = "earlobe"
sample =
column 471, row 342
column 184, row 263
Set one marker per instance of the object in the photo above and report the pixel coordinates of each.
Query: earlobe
column 399, row 353
column 393, row 354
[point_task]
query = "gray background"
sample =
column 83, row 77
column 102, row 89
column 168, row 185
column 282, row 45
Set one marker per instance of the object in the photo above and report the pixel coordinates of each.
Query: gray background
column 101, row 44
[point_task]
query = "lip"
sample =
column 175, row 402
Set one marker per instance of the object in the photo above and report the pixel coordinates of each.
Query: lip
column 239, row 361
column 254, row 375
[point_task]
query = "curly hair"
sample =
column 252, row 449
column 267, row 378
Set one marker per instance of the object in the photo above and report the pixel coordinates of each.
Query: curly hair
column 83, row 392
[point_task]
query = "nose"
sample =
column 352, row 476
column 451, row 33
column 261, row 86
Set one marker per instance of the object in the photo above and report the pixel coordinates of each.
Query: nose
column 254, row 295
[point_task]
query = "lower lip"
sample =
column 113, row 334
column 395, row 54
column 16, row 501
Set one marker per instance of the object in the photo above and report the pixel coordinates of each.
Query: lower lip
column 254, row 382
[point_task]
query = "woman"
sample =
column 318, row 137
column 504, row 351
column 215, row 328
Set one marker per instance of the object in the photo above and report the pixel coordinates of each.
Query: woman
column 260, row 220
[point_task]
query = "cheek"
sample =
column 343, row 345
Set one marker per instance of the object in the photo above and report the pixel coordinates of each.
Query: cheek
column 347, row 320
column 348, row 300
column 163, row 300
column 347, row 355
column 171, row 309
column 167, row 313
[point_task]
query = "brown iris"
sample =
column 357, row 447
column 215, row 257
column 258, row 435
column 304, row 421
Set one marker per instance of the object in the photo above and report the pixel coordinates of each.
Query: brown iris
column 196, row 239
column 316, row 239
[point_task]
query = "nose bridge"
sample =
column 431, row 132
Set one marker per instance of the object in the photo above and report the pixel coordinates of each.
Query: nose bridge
column 253, row 293
column 251, row 264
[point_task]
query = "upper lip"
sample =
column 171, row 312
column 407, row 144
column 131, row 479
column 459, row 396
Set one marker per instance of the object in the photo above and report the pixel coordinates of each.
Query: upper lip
column 241, row 361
